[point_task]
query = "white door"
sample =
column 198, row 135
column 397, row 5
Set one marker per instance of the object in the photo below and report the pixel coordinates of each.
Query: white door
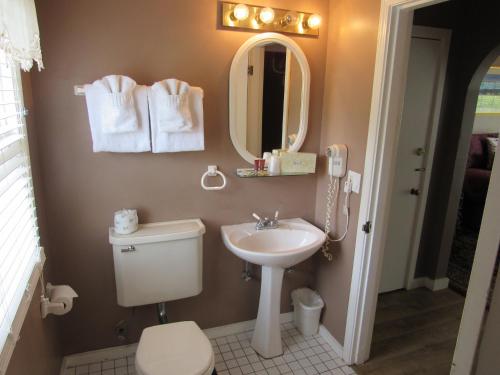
column 415, row 149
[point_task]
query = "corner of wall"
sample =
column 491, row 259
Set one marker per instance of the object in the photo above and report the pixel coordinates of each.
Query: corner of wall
column 351, row 47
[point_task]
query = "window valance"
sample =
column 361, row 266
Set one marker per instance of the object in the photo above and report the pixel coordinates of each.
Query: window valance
column 19, row 35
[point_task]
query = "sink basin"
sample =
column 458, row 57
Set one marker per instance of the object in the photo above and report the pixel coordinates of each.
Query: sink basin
column 292, row 242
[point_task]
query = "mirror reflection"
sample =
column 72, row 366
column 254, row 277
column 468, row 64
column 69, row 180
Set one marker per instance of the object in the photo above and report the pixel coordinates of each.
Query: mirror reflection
column 273, row 90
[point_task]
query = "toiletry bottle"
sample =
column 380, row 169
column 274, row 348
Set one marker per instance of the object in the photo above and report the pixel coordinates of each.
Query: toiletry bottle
column 274, row 164
column 267, row 157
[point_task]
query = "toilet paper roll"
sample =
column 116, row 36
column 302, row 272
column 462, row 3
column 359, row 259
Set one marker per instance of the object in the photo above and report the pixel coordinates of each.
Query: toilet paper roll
column 60, row 299
column 126, row 221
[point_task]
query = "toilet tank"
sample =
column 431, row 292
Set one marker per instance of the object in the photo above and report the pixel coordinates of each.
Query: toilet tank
column 159, row 262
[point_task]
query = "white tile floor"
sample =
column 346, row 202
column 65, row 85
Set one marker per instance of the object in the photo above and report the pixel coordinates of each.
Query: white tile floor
column 233, row 356
column 121, row 366
column 110, row 361
column 302, row 355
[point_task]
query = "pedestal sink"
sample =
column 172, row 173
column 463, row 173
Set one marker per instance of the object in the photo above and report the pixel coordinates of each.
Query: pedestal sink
column 274, row 249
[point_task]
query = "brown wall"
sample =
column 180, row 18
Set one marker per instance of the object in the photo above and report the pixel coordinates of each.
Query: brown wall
column 38, row 351
column 149, row 41
column 348, row 88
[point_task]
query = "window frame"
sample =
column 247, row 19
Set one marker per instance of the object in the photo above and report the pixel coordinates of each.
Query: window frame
column 7, row 349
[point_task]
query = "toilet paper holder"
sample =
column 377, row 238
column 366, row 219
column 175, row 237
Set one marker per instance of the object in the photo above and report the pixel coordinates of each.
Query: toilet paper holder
column 58, row 300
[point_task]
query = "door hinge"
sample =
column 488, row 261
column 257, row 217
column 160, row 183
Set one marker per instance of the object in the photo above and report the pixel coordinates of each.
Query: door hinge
column 250, row 70
column 367, row 227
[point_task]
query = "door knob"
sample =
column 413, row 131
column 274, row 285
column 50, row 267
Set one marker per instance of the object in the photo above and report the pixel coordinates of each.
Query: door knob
column 414, row 191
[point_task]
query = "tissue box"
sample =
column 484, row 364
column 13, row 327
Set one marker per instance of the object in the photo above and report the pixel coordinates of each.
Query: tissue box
column 297, row 162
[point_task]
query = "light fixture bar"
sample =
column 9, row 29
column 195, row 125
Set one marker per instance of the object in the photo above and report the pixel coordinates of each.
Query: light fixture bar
column 284, row 21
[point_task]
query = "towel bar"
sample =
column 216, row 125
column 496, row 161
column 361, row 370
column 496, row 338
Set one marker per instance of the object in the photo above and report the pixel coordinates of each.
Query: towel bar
column 79, row 90
column 212, row 171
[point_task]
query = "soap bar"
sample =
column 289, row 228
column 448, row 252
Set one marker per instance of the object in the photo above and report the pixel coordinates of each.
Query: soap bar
column 298, row 162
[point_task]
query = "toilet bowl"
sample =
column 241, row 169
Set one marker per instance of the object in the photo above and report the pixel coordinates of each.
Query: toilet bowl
column 163, row 262
column 174, row 349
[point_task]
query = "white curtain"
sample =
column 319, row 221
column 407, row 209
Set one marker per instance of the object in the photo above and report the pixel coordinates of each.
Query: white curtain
column 19, row 35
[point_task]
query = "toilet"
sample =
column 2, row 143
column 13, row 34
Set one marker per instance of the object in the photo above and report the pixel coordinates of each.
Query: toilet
column 162, row 262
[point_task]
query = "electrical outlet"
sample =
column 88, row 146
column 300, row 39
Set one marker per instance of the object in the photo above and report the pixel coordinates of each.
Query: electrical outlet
column 355, row 179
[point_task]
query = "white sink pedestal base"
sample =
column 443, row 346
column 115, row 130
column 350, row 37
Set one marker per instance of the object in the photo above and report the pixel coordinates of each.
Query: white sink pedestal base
column 267, row 334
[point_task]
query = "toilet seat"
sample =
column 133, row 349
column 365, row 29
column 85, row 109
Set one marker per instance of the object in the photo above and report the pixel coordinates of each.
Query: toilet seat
column 174, row 349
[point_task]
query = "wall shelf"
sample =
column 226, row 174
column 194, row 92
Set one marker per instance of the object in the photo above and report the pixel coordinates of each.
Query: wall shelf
column 251, row 173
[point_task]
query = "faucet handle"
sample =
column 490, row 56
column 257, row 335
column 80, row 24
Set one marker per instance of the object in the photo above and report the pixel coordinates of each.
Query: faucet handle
column 257, row 217
column 276, row 214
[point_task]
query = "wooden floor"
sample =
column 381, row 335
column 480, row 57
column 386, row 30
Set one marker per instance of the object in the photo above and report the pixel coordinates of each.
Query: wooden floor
column 415, row 333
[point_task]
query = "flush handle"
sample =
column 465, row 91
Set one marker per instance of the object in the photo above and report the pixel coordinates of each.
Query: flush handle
column 128, row 249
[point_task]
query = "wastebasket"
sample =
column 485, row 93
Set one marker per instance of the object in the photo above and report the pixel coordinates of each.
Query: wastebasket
column 307, row 305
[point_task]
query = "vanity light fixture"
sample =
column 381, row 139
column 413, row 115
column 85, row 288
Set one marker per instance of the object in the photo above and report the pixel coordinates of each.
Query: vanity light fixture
column 262, row 18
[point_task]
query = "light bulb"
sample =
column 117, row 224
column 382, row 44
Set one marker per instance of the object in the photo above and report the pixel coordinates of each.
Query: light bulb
column 240, row 12
column 266, row 15
column 314, row 21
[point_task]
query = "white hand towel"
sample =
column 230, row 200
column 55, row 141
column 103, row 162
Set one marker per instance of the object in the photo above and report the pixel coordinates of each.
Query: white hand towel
column 169, row 100
column 98, row 99
column 193, row 140
column 117, row 110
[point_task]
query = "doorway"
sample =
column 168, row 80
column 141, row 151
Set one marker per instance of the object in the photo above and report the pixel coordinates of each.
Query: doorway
column 426, row 75
column 380, row 168
column 481, row 151
column 416, row 330
column 417, row 319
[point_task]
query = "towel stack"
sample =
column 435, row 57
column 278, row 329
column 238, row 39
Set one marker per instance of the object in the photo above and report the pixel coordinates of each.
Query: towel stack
column 119, row 116
column 176, row 117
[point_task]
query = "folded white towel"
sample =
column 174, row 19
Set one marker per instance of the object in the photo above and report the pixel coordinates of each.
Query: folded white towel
column 117, row 111
column 193, row 140
column 169, row 100
column 118, row 115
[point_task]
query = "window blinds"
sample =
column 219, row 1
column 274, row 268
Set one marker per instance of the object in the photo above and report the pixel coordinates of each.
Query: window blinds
column 19, row 243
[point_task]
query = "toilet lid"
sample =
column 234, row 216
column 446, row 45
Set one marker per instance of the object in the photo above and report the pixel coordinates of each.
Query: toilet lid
column 173, row 349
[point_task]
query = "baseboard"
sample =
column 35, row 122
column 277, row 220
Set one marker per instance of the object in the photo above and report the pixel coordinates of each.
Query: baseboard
column 240, row 327
column 431, row 284
column 328, row 337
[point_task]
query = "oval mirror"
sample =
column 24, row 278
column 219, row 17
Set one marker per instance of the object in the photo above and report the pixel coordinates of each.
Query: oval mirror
column 268, row 96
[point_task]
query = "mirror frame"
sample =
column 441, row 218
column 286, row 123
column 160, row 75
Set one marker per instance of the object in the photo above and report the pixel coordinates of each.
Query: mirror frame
column 235, row 106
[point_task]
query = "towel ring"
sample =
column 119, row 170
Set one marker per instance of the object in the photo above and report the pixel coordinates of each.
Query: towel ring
column 212, row 172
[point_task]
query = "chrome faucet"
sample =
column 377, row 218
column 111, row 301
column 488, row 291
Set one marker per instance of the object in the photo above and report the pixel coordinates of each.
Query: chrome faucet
column 266, row 223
